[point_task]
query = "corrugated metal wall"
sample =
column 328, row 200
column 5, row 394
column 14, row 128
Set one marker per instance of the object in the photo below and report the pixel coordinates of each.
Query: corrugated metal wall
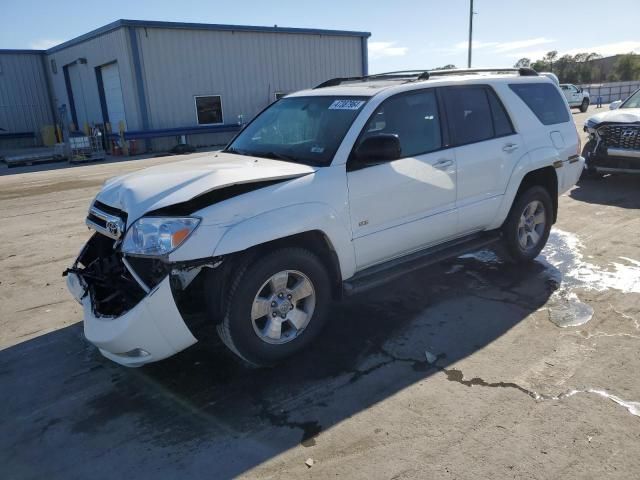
column 245, row 68
column 24, row 101
column 107, row 48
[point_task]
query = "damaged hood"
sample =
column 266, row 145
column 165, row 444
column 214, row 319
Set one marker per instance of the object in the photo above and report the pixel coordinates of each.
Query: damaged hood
column 164, row 185
column 621, row 115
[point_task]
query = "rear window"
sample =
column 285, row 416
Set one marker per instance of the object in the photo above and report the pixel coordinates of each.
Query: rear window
column 544, row 100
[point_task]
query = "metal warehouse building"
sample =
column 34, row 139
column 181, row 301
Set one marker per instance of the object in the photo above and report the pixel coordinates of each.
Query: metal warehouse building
column 160, row 80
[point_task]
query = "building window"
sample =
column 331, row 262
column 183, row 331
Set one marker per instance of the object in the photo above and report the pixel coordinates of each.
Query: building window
column 209, row 109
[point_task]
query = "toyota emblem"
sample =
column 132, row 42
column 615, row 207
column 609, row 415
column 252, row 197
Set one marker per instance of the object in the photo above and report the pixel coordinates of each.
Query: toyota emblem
column 113, row 228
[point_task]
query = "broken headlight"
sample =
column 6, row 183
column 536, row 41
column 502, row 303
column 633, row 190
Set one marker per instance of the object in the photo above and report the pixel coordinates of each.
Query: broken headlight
column 156, row 236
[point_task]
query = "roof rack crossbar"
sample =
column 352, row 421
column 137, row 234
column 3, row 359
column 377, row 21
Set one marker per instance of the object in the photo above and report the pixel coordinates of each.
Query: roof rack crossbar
column 397, row 75
column 524, row 71
column 416, row 75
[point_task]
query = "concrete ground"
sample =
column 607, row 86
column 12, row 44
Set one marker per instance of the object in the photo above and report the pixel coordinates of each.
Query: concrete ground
column 471, row 369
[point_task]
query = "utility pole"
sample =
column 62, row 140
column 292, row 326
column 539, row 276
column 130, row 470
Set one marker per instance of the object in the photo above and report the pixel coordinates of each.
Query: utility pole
column 470, row 32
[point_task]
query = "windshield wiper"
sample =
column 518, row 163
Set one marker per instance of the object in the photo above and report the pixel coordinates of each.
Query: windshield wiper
column 236, row 151
column 277, row 156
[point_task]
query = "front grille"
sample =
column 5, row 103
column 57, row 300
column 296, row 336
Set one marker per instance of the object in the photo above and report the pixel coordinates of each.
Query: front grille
column 106, row 220
column 112, row 288
column 620, row 136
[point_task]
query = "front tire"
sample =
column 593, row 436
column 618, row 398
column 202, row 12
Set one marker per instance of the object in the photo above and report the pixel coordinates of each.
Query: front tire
column 275, row 306
column 584, row 105
column 527, row 227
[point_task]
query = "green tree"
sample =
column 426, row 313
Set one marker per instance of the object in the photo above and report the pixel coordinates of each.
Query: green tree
column 627, row 67
column 449, row 66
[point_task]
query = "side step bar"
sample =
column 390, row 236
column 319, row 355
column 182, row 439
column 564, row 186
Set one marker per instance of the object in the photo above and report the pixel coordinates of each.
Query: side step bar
column 380, row 274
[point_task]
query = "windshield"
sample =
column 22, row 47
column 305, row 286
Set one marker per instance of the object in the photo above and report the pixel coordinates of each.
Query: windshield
column 305, row 130
column 633, row 101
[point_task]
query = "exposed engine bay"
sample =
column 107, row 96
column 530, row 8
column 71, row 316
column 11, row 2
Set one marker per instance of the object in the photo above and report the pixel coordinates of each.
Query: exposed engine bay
column 114, row 287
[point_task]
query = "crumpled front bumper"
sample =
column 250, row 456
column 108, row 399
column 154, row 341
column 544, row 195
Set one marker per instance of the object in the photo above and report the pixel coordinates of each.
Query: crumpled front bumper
column 150, row 331
column 604, row 162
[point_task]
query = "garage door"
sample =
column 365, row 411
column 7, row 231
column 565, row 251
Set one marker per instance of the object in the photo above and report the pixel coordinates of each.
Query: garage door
column 79, row 96
column 113, row 95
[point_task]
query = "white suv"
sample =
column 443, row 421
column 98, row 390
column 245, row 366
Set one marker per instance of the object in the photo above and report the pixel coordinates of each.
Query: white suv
column 327, row 192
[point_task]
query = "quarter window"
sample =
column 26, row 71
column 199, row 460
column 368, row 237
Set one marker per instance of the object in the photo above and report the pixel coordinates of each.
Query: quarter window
column 209, row 109
column 544, row 100
column 413, row 117
column 501, row 123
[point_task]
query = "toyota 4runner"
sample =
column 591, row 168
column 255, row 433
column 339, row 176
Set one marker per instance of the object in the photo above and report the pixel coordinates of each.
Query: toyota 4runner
column 327, row 192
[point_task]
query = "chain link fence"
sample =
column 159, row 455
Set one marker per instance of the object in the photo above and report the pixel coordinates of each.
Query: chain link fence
column 610, row 92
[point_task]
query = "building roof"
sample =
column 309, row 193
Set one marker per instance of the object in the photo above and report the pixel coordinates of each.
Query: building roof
column 19, row 51
column 201, row 26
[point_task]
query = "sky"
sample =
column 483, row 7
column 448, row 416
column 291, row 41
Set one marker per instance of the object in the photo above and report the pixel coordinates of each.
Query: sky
column 405, row 34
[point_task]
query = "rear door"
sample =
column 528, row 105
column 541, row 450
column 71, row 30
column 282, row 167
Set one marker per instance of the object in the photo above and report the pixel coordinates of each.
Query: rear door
column 406, row 204
column 486, row 149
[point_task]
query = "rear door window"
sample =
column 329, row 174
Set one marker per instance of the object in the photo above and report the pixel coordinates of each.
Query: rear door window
column 544, row 100
column 469, row 114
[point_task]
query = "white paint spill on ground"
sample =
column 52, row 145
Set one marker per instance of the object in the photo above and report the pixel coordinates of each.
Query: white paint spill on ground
column 632, row 407
column 570, row 311
column 569, row 269
column 563, row 251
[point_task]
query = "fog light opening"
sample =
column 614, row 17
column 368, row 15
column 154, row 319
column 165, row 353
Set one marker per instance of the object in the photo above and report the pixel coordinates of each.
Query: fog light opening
column 135, row 353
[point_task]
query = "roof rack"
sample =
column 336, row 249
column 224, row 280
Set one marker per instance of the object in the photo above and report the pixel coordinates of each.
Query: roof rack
column 418, row 75
column 523, row 72
column 398, row 75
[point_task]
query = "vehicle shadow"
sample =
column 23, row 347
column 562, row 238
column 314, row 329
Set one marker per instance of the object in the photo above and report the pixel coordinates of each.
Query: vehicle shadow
column 69, row 413
column 615, row 190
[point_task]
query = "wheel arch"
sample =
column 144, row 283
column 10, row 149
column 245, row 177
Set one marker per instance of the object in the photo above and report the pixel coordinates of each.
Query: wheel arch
column 545, row 177
column 531, row 170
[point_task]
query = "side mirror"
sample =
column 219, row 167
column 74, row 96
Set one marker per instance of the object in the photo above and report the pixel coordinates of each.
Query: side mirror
column 380, row 148
column 615, row 105
column 579, row 90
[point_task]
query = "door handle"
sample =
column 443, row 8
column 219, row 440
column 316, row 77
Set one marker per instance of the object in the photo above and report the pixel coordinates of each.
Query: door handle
column 443, row 163
column 510, row 147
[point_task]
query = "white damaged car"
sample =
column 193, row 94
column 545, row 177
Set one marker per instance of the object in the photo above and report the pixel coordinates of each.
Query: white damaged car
column 614, row 139
column 327, row 192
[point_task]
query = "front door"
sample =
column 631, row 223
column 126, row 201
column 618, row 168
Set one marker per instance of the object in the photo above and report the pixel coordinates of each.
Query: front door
column 409, row 203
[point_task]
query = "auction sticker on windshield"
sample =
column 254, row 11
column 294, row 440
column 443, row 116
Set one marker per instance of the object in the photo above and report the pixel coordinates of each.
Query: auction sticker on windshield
column 346, row 105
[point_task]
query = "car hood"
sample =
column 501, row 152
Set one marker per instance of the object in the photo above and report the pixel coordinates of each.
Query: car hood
column 164, row 185
column 621, row 115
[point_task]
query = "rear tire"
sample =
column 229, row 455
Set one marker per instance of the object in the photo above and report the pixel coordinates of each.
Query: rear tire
column 584, row 105
column 275, row 306
column 527, row 227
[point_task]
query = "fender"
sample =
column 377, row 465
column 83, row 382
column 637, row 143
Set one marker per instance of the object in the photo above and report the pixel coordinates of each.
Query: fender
column 533, row 160
column 292, row 220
